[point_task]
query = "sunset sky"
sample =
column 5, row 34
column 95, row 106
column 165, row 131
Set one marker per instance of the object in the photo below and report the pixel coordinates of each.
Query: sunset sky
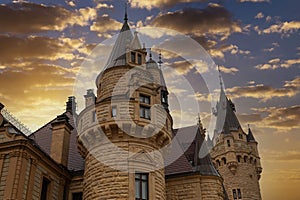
column 255, row 42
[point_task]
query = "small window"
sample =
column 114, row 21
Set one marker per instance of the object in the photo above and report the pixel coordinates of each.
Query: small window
column 239, row 193
column 234, row 194
column 132, row 58
column 239, row 158
column 240, row 136
column 219, row 163
column 145, row 112
column 164, row 97
column 77, row 196
column 245, row 159
column 45, row 187
column 224, row 160
column 141, row 186
column 228, row 143
column 251, row 159
column 114, row 111
column 139, row 59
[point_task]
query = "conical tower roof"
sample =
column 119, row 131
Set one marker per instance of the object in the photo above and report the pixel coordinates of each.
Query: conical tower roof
column 118, row 54
column 250, row 137
column 226, row 117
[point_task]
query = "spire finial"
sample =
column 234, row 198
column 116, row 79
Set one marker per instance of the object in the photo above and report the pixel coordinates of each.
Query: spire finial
column 150, row 53
column 126, row 17
column 160, row 59
column 199, row 119
column 220, row 77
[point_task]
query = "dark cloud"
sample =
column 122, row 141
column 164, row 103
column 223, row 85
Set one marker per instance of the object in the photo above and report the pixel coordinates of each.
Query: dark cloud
column 29, row 17
column 104, row 24
column 20, row 49
column 158, row 3
column 264, row 92
column 213, row 20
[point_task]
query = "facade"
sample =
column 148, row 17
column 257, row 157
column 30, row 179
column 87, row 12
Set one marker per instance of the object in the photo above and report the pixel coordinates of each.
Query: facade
column 112, row 149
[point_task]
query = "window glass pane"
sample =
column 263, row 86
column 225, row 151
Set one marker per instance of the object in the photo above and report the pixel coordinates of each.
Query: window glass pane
column 142, row 112
column 137, row 189
column 147, row 100
column 147, row 113
column 239, row 193
column 139, row 59
column 114, row 111
column 234, row 193
column 132, row 57
column 144, row 190
column 144, row 177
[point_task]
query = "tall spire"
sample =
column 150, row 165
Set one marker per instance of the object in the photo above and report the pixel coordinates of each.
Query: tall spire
column 126, row 17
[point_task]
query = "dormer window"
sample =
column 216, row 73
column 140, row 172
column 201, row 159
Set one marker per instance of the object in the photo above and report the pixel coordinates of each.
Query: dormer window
column 132, row 58
column 139, row 60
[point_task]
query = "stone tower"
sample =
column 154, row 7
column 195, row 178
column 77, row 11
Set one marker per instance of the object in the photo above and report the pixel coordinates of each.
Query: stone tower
column 235, row 153
column 121, row 133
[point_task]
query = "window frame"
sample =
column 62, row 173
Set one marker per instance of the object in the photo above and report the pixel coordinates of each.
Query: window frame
column 114, row 111
column 133, row 57
column 145, row 106
column 234, row 194
column 228, row 143
column 45, row 188
column 239, row 193
column 140, row 180
column 139, row 59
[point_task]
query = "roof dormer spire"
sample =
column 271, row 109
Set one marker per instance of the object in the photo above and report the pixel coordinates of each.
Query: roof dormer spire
column 126, row 16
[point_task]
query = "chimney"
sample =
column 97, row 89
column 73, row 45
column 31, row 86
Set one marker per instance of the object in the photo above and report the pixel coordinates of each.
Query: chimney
column 71, row 105
column 90, row 98
column 61, row 130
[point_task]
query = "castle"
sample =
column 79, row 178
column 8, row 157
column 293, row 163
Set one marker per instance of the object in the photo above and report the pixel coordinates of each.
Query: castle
column 113, row 148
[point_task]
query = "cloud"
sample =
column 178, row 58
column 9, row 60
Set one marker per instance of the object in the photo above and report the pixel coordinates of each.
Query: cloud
column 289, row 63
column 272, row 64
column 254, row 1
column 158, row 3
column 15, row 50
column 264, row 92
column 32, row 90
column 277, row 63
column 28, row 17
column 284, row 119
column 70, row 3
column 104, row 5
column 231, row 70
column 284, row 28
column 259, row 15
column 105, row 24
column 213, row 20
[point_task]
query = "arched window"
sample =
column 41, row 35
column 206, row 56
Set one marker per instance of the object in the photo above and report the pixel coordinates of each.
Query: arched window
column 224, row 161
column 251, row 159
column 218, row 163
column 238, row 158
column 254, row 161
column 245, row 159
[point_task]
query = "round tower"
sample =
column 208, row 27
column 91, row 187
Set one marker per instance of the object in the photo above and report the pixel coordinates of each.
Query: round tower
column 122, row 135
column 235, row 154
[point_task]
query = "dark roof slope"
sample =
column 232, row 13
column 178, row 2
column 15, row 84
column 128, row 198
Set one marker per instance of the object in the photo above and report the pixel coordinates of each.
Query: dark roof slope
column 43, row 137
column 195, row 155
